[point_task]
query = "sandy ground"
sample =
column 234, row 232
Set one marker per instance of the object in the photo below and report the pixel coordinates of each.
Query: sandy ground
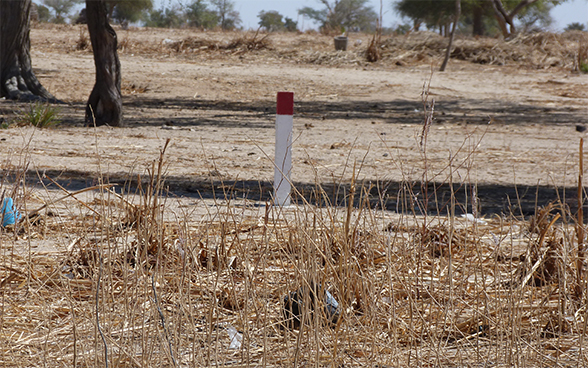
column 218, row 110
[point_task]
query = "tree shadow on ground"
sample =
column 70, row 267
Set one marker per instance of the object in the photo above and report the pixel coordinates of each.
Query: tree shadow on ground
column 261, row 113
column 188, row 112
column 400, row 197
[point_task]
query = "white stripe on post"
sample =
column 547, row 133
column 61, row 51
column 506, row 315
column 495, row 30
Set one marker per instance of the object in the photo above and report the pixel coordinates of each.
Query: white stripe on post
column 283, row 158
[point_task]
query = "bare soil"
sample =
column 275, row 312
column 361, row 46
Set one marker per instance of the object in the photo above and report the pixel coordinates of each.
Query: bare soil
column 502, row 121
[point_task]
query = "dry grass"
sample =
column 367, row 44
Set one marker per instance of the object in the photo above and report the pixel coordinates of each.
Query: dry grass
column 83, row 42
column 137, row 282
column 533, row 51
column 238, row 44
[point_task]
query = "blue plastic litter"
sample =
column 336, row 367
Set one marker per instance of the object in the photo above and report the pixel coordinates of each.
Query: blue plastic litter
column 9, row 214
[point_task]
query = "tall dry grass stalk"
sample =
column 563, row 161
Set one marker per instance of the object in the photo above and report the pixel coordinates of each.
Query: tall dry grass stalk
column 129, row 278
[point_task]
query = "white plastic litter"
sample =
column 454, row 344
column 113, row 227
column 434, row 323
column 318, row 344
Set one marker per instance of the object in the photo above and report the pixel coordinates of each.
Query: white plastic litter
column 470, row 217
column 235, row 336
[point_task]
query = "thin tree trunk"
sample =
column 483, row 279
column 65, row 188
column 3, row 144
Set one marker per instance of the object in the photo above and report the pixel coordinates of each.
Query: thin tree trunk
column 452, row 35
column 501, row 17
column 478, row 20
column 105, row 103
column 17, row 80
column 504, row 17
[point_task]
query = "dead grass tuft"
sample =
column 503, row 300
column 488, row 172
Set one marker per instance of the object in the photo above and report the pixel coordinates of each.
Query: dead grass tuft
column 241, row 43
column 83, row 42
column 254, row 43
column 372, row 53
column 537, row 50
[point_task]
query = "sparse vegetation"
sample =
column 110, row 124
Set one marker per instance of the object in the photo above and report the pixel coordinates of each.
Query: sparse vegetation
column 128, row 11
column 83, row 42
column 168, row 18
column 342, row 15
column 198, row 14
column 228, row 17
column 61, row 9
column 40, row 115
column 271, row 21
column 575, row 27
column 478, row 17
column 44, row 14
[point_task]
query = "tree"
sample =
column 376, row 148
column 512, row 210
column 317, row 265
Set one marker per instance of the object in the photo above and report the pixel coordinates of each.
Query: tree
column 506, row 15
column 452, row 35
column 198, row 15
column 433, row 13
column 44, row 13
column 479, row 14
column 167, row 18
column 575, row 27
column 290, row 25
column 271, row 20
column 228, row 17
column 17, row 80
column 105, row 102
column 341, row 15
column 61, row 8
column 536, row 16
column 128, row 11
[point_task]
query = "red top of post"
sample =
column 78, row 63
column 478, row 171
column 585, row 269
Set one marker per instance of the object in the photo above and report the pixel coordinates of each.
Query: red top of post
column 285, row 103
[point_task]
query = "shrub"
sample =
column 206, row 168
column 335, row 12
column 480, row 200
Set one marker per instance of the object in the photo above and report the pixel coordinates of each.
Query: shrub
column 41, row 115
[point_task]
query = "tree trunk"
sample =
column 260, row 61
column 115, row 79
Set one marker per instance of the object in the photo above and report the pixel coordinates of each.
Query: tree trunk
column 452, row 35
column 502, row 18
column 478, row 20
column 17, row 80
column 105, row 103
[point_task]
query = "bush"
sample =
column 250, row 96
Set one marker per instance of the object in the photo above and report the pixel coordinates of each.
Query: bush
column 271, row 21
column 40, row 115
column 165, row 18
column 575, row 27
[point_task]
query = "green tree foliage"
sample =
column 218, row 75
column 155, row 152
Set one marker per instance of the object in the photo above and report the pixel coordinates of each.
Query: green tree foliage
column 198, row 15
column 338, row 15
column 225, row 10
column 290, row 25
column 536, row 16
column 44, row 13
column 478, row 18
column 570, row 27
column 481, row 17
column 127, row 11
column 61, row 8
column 165, row 18
column 506, row 11
column 271, row 21
column 432, row 13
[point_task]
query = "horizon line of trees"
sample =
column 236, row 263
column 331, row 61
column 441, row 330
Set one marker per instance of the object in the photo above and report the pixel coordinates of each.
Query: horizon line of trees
column 205, row 14
column 478, row 17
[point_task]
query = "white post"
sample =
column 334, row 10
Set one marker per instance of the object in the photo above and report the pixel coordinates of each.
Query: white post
column 283, row 157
